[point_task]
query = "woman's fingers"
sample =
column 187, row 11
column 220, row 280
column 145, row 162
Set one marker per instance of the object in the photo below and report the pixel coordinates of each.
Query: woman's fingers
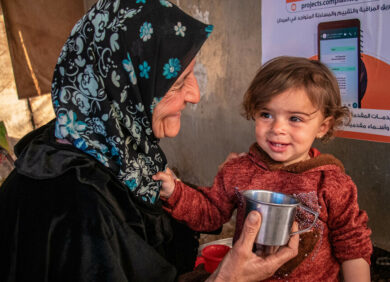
column 250, row 230
column 294, row 240
column 241, row 264
column 286, row 253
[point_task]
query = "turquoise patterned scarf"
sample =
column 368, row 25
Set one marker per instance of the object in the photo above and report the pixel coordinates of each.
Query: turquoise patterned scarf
column 119, row 61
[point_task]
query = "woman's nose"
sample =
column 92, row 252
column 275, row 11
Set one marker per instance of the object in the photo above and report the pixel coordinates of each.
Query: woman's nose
column 192, row 94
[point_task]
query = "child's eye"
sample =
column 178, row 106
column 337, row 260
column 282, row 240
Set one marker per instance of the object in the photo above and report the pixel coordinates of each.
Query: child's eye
column 265, row 115
column 295, row 119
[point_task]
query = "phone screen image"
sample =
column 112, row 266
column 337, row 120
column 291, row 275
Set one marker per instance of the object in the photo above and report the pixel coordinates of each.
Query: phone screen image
column 339, row 50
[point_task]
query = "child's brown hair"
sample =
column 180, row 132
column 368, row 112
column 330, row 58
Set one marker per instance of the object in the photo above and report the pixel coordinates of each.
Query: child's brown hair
column 285, row 73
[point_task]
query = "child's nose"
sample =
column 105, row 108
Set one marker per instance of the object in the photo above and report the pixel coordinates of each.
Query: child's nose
column 278, row 126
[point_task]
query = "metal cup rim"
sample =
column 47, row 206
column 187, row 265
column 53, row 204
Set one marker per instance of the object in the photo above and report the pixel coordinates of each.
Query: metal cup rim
column 268, row 203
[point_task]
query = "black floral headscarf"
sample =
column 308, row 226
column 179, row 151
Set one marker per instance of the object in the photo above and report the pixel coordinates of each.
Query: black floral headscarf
column 119, row 61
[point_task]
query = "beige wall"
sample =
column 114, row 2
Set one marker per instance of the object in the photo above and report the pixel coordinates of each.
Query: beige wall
column 88, row 4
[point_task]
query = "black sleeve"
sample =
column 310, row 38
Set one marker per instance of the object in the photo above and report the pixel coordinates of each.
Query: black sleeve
column 60, row 230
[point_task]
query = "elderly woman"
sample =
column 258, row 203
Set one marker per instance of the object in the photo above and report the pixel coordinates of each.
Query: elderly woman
column 81, row 204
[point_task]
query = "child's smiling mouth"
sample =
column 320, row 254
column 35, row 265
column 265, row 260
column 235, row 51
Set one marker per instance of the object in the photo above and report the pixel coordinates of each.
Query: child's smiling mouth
column 278, row 147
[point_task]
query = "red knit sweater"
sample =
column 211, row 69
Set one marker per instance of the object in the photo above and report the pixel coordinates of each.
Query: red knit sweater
column 340, row 234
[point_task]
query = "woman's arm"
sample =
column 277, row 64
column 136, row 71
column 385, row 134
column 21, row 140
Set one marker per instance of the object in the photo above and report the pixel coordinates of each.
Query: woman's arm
column 356, row 270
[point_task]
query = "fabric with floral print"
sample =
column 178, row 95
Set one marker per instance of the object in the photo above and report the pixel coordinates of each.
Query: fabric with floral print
column 144, row 69
column 180, row 29
column 166, row 3
column 118, row 62
column 172, row 68
column 146, row 31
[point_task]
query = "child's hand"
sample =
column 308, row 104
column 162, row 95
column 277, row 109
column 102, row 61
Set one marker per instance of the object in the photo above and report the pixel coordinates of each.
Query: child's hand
column 168, row 182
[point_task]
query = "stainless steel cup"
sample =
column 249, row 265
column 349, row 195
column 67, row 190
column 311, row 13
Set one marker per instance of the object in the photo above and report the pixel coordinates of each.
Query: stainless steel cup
column 278, row 213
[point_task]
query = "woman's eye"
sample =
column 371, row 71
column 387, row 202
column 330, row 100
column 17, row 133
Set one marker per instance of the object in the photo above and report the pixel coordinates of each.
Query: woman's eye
column 177, row 87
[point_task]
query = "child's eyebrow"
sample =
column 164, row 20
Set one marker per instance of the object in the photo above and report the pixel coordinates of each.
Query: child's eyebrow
column 263, row 109
column 306, row 114
column 291, row 112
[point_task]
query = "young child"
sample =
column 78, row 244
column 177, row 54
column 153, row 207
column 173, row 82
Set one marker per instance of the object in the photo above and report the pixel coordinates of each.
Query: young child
column 293, row 101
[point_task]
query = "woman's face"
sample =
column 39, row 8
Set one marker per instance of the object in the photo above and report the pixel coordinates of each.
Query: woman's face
column 167, row 113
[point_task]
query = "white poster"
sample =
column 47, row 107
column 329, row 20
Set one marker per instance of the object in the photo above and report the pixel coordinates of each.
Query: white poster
column 352, row 37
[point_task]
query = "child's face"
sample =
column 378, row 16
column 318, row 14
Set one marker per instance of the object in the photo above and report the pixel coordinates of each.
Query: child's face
column 287, row 126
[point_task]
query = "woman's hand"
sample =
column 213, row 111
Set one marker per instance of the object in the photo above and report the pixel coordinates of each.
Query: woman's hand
column 168, row 182
column 241, row 264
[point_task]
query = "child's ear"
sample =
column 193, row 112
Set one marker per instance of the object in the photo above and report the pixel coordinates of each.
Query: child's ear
column 324, row 127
